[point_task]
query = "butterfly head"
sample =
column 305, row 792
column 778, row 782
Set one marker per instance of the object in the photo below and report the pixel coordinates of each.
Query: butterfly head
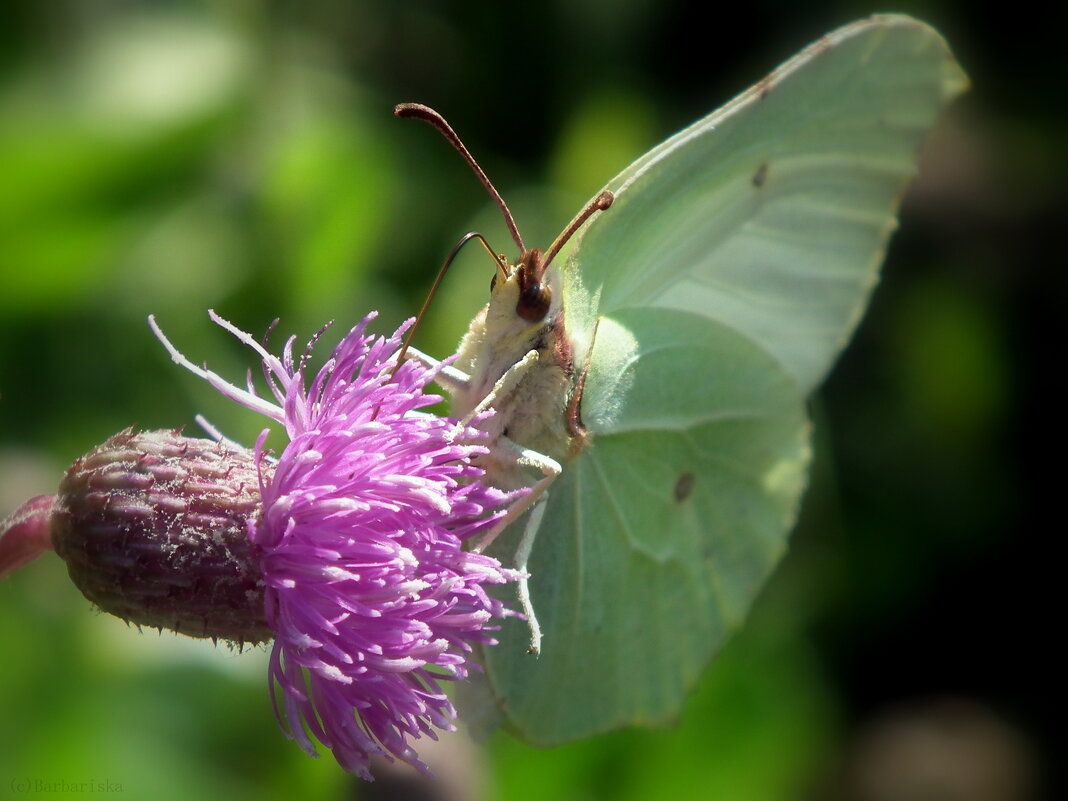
column 523, row 287
column 521, row 305
column 529, row 279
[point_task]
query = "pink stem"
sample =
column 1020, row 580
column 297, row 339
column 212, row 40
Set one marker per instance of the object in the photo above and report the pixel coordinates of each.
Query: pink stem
column 26, row 534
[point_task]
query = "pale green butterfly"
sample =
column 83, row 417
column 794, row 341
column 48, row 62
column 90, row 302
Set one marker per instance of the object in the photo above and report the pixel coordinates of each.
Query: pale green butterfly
column 660, row 389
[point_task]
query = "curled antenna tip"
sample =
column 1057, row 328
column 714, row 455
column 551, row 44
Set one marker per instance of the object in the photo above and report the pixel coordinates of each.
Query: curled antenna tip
column 418, row 111
column 403, row 110
column 599, row 203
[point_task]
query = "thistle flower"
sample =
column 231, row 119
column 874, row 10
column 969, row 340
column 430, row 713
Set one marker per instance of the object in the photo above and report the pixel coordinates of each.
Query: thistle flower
column 352, row 549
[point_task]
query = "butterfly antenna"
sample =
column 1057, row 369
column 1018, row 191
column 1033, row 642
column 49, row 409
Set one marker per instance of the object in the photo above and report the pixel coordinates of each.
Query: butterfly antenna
column 418, row 111
column 599, row 203
column 437, row 283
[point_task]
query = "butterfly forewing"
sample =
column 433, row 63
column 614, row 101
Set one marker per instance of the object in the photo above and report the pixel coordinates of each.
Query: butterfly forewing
column 772, row 214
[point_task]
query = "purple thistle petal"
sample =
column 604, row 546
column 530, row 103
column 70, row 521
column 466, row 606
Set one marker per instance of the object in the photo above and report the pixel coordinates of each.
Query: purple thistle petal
column 371, row 597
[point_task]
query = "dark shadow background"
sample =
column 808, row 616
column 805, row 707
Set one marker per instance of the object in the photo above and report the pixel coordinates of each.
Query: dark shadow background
column 170, row 157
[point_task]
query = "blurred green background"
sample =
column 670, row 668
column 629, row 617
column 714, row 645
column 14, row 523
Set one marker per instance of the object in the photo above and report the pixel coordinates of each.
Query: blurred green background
column 170, row 157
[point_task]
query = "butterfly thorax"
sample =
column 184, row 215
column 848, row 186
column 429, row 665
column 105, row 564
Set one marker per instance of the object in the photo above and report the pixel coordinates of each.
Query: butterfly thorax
column 534, row 413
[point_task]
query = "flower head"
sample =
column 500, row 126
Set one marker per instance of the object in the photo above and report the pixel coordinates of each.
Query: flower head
column 372, row 599
column 348, row 548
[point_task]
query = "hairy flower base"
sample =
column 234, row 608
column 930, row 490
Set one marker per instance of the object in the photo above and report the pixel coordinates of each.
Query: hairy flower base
column 153, row 528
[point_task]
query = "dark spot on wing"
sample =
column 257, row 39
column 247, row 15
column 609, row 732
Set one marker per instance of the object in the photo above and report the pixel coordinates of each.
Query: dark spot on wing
column 761, row 175
column 684, row 487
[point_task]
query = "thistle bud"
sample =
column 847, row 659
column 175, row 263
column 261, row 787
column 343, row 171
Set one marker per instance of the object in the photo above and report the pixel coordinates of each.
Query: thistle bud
column 154, row 529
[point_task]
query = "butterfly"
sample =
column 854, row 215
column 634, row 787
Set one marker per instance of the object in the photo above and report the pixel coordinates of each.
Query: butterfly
column 649, row 372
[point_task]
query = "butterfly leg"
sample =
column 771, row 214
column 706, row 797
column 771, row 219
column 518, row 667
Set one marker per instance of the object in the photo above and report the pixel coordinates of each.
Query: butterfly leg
column 504, row 385
column 535, row 502
column 523, row 457
column 448, row 378
column 453, row 380
column 522, row 556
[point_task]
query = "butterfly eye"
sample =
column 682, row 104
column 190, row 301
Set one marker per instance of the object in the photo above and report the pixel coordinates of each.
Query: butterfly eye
column 534, row 302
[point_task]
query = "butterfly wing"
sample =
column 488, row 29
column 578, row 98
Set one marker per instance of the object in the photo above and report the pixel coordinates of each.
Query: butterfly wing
column 772, row 214
column 715, row 294
column 655, row 540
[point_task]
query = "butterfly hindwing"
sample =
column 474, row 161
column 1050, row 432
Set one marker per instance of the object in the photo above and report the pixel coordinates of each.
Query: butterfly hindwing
column 657, row 537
